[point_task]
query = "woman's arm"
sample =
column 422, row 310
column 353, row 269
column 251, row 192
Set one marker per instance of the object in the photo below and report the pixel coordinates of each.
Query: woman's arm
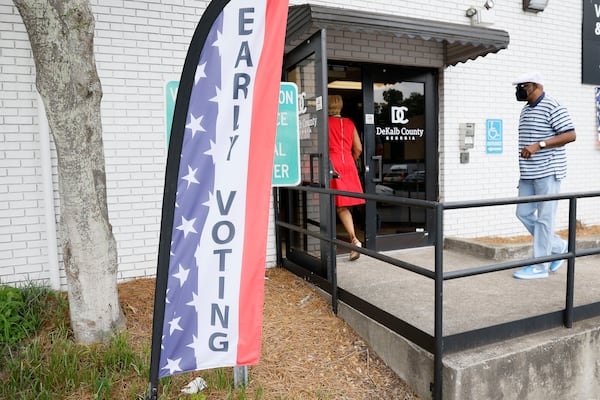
column 356, row 145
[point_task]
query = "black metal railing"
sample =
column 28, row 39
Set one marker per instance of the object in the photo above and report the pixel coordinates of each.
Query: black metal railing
column 437, row 343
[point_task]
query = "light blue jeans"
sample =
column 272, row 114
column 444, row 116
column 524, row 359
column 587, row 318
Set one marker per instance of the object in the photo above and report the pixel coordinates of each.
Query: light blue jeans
column 538, row 217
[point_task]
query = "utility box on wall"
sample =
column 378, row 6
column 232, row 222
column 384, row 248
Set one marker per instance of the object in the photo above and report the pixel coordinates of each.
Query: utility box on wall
column 466, row 134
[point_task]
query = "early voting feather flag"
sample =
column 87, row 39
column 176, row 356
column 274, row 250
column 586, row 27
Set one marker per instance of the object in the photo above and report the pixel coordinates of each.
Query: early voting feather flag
column 211, row 262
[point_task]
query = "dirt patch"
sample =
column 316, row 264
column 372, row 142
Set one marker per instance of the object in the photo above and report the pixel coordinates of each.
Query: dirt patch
column 582, row 231
column 307, row 352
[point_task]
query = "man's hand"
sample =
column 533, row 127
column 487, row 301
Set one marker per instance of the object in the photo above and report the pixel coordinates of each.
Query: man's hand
column 530, row 150
column 555, row 141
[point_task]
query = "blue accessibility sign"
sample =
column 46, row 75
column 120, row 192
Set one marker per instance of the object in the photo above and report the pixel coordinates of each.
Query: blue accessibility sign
column 493, row 136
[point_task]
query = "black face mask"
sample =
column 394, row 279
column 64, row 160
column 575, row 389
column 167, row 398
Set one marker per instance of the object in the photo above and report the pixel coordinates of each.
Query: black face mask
column 521, row 93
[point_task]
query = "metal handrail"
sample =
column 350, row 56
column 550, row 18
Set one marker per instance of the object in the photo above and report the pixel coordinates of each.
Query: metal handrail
column 437, row 347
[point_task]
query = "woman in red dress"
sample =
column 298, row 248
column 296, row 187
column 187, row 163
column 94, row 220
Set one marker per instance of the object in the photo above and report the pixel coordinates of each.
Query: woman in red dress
column 344, row 149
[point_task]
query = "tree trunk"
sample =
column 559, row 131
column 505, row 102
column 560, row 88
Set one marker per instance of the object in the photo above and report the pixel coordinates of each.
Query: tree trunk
column 61, row 33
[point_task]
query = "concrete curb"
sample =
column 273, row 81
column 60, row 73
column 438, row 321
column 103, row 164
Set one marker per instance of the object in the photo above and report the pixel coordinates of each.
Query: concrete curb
column 504, row 251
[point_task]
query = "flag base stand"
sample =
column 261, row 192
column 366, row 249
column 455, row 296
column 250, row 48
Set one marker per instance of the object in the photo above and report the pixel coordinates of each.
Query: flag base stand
column 153, row 393
column 240, row 376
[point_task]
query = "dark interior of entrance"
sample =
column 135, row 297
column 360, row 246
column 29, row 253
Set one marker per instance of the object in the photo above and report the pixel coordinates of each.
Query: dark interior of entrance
column 393, row 163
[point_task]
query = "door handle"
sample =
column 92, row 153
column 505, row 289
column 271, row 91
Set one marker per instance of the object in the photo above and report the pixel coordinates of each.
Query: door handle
column 378, row 161
column 315, row 161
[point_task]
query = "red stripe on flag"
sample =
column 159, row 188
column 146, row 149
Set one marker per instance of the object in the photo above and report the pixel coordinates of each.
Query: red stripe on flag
column 262, row 149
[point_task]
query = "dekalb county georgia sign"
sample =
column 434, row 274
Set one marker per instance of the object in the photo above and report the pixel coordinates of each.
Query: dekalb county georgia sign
column 395, row 133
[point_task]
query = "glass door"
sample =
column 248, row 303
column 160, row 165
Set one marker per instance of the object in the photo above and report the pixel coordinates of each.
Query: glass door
column 306, row 67
column 401, row 154
column 345, row 80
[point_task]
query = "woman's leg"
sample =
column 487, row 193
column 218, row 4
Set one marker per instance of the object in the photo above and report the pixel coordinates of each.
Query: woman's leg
column 346, row 218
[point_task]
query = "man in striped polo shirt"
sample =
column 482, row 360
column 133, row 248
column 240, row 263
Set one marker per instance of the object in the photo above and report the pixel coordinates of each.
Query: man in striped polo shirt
column 544, row 128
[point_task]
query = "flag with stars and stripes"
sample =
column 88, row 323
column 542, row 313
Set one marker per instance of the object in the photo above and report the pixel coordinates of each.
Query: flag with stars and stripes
column 212, row 251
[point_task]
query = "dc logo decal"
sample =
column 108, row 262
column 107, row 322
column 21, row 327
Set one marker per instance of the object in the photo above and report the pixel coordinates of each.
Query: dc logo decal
column 301, row 104
column 398, row 115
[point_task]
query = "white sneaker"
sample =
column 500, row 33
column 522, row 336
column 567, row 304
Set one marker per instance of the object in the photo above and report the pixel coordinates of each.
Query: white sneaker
column 531, row 272
column 555, row 265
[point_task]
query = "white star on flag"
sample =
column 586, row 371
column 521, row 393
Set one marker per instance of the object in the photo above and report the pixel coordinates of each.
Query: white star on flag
column 174, row 325
column 199, row 73
column 210, row 152
column 187, row 226
column 182, row 275
column 220, row 150
column 217, row 43
column 217, row 97
column 173, row 365
column 207, row 203
column 195, row 125
column 191, row 176
column 196, row 302
column 196, row 343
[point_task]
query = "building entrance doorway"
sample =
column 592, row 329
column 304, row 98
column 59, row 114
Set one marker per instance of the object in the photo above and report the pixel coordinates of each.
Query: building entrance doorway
column 394, row 110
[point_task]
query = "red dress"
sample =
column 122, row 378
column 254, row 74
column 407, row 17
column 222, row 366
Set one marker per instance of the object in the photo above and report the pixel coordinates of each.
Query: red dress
column 341, row 135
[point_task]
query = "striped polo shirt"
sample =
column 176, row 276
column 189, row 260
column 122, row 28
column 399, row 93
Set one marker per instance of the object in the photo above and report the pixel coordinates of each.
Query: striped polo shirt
column 540, row 121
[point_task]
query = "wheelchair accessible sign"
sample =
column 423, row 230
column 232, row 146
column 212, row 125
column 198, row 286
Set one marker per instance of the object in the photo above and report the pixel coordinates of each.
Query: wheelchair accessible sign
column 493, row 136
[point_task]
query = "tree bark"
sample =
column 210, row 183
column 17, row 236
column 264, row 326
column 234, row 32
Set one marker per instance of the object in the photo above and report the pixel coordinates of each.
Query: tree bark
column 61, row 33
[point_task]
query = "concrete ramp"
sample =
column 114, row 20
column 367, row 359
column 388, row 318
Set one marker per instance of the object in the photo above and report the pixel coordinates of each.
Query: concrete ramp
column 555, row 364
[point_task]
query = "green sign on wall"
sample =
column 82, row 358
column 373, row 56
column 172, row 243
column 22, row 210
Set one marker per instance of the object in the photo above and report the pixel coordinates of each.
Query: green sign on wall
column 170, row 98
column 286, row 164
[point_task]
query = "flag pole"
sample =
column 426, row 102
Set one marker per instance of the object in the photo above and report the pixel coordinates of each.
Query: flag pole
column 240, row 376
column 164, row 246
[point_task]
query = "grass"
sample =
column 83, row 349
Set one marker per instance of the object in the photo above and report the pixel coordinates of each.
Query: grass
column 21, row 312
column 40, row 360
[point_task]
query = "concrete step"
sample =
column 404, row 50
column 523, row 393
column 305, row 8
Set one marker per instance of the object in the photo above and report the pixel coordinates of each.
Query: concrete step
column 506, row 251
column 552, row 365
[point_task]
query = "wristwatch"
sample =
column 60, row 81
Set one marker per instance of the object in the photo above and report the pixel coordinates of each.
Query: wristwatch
column 542, row 144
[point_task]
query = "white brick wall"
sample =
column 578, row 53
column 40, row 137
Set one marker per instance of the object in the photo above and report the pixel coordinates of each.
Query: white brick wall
column 475, row 91
column 22, row 239
column 140, row 45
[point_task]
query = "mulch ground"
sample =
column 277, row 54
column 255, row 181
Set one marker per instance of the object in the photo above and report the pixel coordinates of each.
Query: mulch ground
column 307, row 352
column 582, row 230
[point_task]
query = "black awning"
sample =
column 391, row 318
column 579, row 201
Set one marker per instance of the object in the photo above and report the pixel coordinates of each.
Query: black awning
column 462, row 42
